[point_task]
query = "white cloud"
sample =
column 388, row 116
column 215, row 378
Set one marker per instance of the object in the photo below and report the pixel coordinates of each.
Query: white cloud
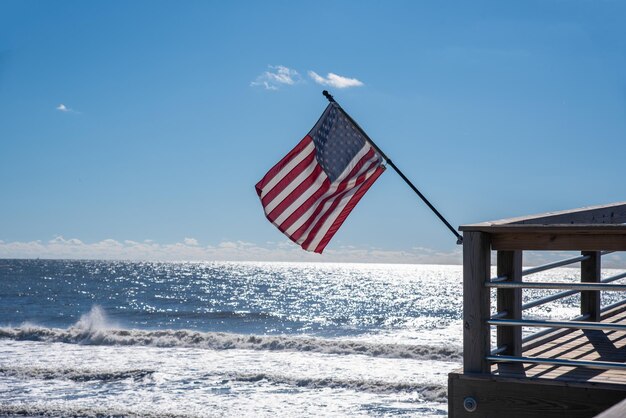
column 65, row 109
column 190, row 241
column 190, row 250
column 335, row 80
column 276, row 76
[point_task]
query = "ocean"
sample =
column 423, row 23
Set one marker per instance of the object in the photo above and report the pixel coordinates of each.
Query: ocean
column 114, row 338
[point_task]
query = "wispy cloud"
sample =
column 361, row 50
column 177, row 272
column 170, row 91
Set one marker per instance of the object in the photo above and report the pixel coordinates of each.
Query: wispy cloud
column 277, row 76
column 190, row 241
column 335, row 80
column 190, row 249
column 65, row 109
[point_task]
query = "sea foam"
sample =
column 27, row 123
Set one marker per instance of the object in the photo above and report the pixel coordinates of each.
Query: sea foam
column 94, row 329
column 64, row 409
column 427, row 392
column 76, row 375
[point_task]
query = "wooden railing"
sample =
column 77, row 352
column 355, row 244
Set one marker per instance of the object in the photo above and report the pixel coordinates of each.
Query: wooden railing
column 594, row 231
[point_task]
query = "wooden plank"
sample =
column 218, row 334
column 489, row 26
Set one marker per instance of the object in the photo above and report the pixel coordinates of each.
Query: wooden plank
column 590, row 272
column 515, row 398
column 476, row 301
column 611, row 213
column 575, row 345
column 451, row 394
column 510, row 300
column 549, row 229
column 529, row 390
column 565, row 242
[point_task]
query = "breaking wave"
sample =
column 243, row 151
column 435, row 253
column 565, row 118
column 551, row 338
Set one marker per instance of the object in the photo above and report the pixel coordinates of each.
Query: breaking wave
column 67, row 410
column 225, row 341
column 74, row 374
column 427, row 392
column 93, row 329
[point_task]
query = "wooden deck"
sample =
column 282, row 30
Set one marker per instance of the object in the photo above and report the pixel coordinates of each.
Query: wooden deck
column 538, row 390
column 575, row 371
column 575, row 345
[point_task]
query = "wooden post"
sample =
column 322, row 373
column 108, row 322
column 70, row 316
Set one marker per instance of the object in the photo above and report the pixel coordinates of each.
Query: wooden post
column 510, row 300
column 590, row 271
column 476, row 309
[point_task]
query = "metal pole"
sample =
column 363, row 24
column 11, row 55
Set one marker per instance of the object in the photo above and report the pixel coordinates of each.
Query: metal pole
column 392, row 165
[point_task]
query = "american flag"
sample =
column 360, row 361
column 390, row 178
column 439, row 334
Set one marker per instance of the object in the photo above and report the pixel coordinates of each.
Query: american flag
column 313, row 189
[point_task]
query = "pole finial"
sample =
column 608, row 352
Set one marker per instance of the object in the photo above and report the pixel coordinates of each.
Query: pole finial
column 329, row 96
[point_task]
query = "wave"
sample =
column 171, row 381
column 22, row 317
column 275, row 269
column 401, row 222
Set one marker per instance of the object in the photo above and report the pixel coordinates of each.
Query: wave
column 66, row 410
column 427, row 392
column 226, row 341
column 93, row 329
column 75, row 374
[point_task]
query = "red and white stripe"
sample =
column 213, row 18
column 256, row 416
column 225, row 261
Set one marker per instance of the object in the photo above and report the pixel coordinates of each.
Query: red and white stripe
column 300, row 200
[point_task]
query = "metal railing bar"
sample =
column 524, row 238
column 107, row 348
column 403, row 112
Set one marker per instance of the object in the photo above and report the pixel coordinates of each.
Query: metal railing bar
column 592, row 364
column 541, row 301
column 536, row 335
column 539, row 334
column 544, row 267
column 557, row 324
column 498, row 350
column 567, row 293
column 584, row 317
column 555, row 264
column 613, row 305
column 499, row 315
column 614, row 278
column 564, row 286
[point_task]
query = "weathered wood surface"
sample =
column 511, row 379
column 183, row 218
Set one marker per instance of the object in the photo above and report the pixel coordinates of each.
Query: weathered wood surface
column 590, row 229
column 509, row 263
column 575, row 345
column 476, row 302
column 613, row 213
column 591, row 272
column 513, row 398
column 530, row 390
column 558, row 241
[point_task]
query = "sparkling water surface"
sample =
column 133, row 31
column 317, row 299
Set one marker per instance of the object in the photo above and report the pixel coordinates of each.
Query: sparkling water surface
column 110, row 338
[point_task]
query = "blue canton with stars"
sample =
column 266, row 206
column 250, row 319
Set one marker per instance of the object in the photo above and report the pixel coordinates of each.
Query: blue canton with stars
column 336, row 141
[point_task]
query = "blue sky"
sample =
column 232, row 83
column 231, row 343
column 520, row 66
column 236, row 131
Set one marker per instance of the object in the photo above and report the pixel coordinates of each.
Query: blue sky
column 493, row 109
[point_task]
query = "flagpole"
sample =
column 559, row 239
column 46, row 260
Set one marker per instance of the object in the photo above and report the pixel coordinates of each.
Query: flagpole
column 390, row 163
